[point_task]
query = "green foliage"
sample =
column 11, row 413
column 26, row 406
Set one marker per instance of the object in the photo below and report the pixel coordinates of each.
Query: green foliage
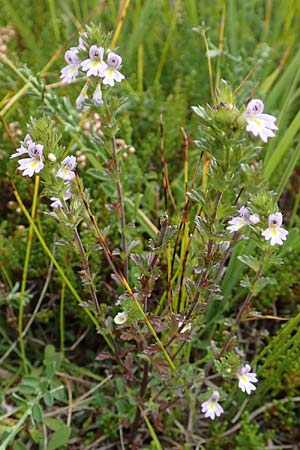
column 249, row 437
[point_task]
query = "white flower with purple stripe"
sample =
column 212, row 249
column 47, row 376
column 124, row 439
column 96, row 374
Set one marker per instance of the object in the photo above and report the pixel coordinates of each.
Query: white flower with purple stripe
column 24, row 147
column 70, row 72
column 245, row 218
column 211, row 407
column 274, row 233
column 34, row 163
column 97, row 96
column 111, row 73
column 94, row 66
column 262, row 125
column 66, row 171
column 57, row 203
column 246, row 379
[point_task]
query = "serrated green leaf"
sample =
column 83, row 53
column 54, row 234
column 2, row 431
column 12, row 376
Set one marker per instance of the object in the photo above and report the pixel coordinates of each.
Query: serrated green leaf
column 260, row 284
column 246, row 283
column 196, row 196
column 249, row 261
column 169, row 234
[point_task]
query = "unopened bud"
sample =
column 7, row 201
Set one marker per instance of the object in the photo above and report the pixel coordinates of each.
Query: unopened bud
column 52, row 157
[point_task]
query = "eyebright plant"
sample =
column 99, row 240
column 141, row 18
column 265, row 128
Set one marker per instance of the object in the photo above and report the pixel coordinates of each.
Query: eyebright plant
column 169, row 294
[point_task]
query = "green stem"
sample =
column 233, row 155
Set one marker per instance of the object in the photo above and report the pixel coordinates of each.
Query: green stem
column 122, row 208
column 56, row 264
column 25, row 272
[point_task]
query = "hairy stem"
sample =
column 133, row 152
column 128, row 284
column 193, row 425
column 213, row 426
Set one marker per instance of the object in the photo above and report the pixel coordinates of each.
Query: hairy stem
column 86, row 269
column 122, row 208
column 242, row 311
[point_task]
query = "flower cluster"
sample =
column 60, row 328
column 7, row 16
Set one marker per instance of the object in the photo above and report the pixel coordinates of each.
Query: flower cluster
column 262, row 125
column 275, row 233
column 36, row 162
column 211, row 408
column 95, row 62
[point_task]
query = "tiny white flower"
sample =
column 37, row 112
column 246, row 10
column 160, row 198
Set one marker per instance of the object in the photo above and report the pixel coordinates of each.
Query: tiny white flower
column 66, row 168
column 27, row 139
column 111, row 73
column 94, row 66
column 245, row 218
column 262, row 125
column 52, row 157
column 246, row 379
column 274, row 232
column 97, row 96
column 211, row 407
column 120, row 318
column 70, row 72
column 24, row 147
column 187, row 327
column 57, row 203
column 83, row 96
column 254, row 218
column 34, row 164
column 82, row 43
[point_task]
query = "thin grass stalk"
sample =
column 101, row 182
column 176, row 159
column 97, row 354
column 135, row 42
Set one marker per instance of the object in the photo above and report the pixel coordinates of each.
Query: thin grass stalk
column 53, row 259
column 152, row 432
column 140, row 69
column 5, row 276
column 211, row 83
column 76, row 6
column 288, row 172
column 55, row 27
column 267, row 20
column 123, row 12
column 33, row 315
column 294, row 211
column 120, row 276
column 168, row 41
column 221, row 45
column 185, row 234
column 62, row 317
column 164, row 168
column 25, row 272
column 185, row 212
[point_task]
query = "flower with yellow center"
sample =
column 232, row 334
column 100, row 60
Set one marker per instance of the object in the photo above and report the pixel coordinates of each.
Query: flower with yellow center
column 246, row 379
